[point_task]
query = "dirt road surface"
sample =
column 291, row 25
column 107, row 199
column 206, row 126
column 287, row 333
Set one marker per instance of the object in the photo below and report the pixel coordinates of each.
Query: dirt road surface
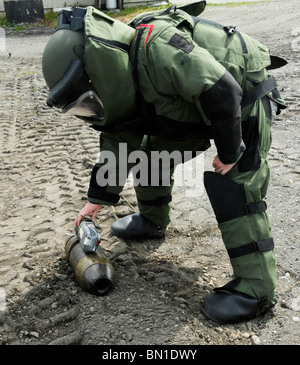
column 45, row 164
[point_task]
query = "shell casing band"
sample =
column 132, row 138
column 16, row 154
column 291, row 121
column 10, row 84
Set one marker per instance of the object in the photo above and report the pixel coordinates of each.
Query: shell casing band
column 85, row 263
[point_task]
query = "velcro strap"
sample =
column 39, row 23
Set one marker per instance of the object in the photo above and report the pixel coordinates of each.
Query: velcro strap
column 262, row 89
column 101, row 194
column 156, row 202
column 255, row 246
column 246, row 209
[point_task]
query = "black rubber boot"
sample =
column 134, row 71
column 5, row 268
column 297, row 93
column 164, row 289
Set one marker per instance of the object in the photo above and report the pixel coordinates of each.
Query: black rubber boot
column 231, row 307
column 135, row 226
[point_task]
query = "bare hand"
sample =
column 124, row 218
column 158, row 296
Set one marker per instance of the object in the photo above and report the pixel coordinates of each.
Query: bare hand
column 220, row 168
column 86, row 210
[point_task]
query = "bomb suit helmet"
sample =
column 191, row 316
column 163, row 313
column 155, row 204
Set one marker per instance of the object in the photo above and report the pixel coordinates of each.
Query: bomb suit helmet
column 63, row 68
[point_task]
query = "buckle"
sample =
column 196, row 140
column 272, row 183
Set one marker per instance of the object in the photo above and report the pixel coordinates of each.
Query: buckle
column 230, row 30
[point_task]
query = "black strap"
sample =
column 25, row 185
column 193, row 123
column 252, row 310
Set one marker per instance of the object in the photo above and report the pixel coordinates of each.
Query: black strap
column 255, row 246
column 243, row 43
column 206, row 21
column 135, row 61
column 262, row 89
column 246, row 209
column 156, row 202
column 100, row 193
column 97, row 191
column 150, row 17
column 158, row 126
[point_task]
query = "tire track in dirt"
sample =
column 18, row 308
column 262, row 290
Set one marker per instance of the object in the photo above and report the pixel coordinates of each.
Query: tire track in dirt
column 43, row 169
column 46, row 159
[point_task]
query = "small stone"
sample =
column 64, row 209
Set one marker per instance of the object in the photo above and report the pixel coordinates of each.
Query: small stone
column 123, row 309
column 284, row 304
column 255, row 340
column 61, row 277
column 34, row 334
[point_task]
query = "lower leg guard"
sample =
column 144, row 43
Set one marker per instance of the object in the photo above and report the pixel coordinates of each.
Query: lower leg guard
column 246, row 233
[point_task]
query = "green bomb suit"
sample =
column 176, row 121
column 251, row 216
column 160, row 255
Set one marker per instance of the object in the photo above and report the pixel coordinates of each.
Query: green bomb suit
column 196, row 74
column 171, row 81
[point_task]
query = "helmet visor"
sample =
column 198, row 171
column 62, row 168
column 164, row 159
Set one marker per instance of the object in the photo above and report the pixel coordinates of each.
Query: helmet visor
column 88, row 105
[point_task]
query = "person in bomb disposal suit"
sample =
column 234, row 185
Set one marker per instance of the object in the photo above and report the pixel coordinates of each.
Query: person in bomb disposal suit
column 169, row 80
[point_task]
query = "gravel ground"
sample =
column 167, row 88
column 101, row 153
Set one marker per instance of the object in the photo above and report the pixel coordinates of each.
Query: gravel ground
column 46, row 161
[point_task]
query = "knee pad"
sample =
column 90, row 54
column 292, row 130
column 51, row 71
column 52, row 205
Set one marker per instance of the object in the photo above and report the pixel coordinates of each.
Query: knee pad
column 228, row 198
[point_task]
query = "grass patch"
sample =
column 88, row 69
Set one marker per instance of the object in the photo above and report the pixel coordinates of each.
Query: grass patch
column 127, row 14
column 50, row 19
column 231, row 4
column 4, row 23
